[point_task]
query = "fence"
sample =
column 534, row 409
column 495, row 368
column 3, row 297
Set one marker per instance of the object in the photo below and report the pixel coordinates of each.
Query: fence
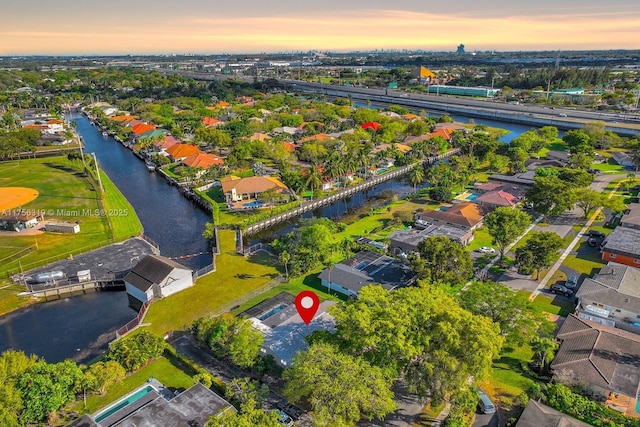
column 314, row 204
column 135, row 322
column 58, row 257
column 151, row 242
column 204, row 270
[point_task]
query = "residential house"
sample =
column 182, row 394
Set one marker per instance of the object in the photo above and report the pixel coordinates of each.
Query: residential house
column 496, row 199
column 631, row 219
column 423, row 74
column 163, row 144
column 141, row 128
column 465, row 216
column 156, row 277
column 211, row 122
column 156, row 405
column 317, row 137
column 259, row 136
column 451, row 126
column 519, row 179
column 123, row 118
column 623, row 159
column 611, row 297
column 287, row 129
column 239, row 192
column 366, row 268
column 561, row 156
column 153, row 134
column 536, row 414
column 407, row 241
column 283, row 329
column 622, row 245
column 602, row 359
column 202, row 161
column 180, row 152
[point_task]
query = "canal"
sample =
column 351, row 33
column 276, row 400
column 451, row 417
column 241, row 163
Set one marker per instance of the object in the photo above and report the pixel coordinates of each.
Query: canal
column 80, row 327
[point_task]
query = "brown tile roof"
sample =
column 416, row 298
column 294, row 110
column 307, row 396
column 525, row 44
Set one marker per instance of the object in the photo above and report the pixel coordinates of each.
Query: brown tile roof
column 210, row 121
column 141, row 128
column 54, row 122
column 167, row 142
column 259, row 136
column 180, row 151
column 465, row 214
column 499, row 198
column 202, row 161
column 538, row 415
column 600, row 355
column 252, row 184
column 123, row 118
column 318, row 137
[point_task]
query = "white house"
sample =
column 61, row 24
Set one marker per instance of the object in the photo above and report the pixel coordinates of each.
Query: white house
column 156, row 277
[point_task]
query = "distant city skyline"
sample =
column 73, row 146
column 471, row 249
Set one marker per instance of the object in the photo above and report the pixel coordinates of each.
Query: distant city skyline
column 75, row 27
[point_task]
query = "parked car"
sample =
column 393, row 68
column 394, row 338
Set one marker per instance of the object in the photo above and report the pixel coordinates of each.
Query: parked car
column 485, row 404
column 486, row 250
column 597, row 234
column 283, row 418
column 560, row 289
column 572, row 282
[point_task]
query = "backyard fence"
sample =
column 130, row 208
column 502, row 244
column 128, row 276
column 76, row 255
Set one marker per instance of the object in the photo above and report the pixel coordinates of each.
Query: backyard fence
column 135, row 322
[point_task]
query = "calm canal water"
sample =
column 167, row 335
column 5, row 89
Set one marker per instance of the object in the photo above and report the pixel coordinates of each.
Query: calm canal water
column 79, row 327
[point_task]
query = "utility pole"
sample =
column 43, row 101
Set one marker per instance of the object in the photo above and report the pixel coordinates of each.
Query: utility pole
column 95, row 160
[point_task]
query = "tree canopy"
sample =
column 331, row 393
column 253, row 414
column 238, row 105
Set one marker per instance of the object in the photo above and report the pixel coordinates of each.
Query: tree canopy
column 505, row 225
column 538, row 252
column 442, row 260
column 341, row 388
column 419, row 334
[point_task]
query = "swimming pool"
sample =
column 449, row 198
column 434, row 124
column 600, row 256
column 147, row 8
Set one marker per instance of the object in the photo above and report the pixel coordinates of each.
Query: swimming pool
column 273, row 311
column 472, row 196
column 124, row 402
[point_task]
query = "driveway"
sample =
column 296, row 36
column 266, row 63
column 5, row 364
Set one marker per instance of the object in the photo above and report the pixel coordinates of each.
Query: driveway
column 486, row 420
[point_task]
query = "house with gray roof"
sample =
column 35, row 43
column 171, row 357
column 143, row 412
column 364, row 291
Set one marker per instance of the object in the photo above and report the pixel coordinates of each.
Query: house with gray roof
column 154, row 405
column 604, row 360
column 156, row 277
column 612, row 297
column 407, row 241
column 537, row 414
column 622, row 246
column 366, row 268
column 283, row 329
column 631, row 219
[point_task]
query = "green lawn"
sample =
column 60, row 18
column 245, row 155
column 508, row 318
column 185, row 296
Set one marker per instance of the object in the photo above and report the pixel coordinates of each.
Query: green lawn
column 235, row 277
column 557, row 145
column 481, row 238
column 65, row 194
column 610, row 166
column 585, row 264
column 121, row 215
column 560, row 306
column 508, row 381
column 161, row 369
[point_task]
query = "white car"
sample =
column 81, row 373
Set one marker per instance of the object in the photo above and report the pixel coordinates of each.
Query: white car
column 486, row 250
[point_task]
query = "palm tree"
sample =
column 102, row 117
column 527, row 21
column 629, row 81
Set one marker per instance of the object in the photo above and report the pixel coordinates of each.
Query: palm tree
column 313, row 180
column 284, row 258
column 416, row 176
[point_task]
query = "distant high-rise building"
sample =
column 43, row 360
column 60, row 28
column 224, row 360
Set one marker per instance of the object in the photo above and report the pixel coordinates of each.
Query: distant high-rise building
column 460, row 50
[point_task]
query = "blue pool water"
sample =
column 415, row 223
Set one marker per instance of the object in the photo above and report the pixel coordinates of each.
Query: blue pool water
column 127, row 401
column 472, row 196
column 638, row 404
column 253, row 205
column 273, row 311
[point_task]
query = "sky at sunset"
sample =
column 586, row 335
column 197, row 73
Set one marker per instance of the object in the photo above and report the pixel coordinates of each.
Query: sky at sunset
column 85, row 27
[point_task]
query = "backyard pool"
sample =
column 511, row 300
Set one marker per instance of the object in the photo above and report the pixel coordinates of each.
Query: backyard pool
column 124, row 402
column 472, row 196
column 253, row 205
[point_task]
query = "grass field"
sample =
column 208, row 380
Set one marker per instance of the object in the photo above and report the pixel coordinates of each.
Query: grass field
column 235, row 276
column 62, row 187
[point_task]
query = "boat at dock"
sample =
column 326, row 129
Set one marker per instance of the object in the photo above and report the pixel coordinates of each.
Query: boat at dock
column 105, row 134
column 150, row 166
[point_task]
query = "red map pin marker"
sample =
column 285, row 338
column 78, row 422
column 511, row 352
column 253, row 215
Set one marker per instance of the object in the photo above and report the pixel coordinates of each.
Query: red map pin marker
column 307, row 303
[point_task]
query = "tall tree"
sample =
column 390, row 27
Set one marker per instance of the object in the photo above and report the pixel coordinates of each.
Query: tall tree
column 511, row 309
column 550, row 195
column 416, row 176
column 249, row 415
column 342, row 389
column 441, row 260
column 538, row 252
column 505, row 225
column 419, row 334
